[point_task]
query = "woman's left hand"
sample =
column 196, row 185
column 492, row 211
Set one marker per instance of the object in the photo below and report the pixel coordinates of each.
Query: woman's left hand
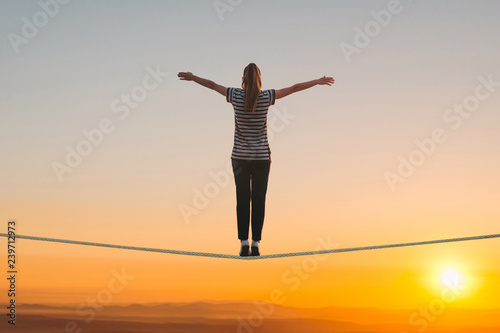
column 188, row 76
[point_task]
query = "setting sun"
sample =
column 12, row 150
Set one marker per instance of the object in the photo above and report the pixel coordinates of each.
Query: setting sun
column 452, row 279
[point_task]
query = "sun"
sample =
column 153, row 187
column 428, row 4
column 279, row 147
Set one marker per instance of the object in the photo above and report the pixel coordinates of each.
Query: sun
column 452, row 279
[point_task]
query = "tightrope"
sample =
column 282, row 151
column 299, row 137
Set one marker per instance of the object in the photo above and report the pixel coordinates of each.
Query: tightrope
column 268, row 256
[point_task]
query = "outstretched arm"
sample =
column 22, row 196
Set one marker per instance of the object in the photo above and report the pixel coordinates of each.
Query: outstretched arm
column 304, row 85
column 188, row 76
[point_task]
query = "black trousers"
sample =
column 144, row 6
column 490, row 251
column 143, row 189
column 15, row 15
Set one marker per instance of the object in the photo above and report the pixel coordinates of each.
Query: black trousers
column 251, row 186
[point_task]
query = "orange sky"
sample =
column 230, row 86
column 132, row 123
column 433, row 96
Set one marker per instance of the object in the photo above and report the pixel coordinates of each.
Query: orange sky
column 391, row 278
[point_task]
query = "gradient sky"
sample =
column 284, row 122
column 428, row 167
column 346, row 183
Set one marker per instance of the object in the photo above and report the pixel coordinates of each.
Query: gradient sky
column 330, row 153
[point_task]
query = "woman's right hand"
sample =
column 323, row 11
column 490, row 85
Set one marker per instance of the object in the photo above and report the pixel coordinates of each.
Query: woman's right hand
column 326, row 80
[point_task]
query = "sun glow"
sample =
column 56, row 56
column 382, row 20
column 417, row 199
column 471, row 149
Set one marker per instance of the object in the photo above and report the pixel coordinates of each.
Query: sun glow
column 452, row 279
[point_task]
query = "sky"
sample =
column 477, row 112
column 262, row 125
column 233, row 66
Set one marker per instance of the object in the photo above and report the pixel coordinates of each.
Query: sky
column 101, row 142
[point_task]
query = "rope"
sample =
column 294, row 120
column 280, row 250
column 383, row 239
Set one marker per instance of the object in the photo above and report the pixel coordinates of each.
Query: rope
column 269, row 256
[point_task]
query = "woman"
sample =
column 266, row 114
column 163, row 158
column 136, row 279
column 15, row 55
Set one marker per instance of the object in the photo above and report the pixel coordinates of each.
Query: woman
column 251, row 156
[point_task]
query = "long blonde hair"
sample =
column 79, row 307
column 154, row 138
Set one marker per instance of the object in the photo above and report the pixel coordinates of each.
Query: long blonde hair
column 252, row 84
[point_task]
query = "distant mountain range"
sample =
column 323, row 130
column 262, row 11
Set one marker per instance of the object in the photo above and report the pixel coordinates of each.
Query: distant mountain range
column 242, row 317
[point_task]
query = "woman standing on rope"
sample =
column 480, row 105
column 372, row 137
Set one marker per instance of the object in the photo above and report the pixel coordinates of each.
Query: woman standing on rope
column 251, row 156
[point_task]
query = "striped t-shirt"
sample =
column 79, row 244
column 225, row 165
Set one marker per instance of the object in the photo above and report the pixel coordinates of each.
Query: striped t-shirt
column 250, row 128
